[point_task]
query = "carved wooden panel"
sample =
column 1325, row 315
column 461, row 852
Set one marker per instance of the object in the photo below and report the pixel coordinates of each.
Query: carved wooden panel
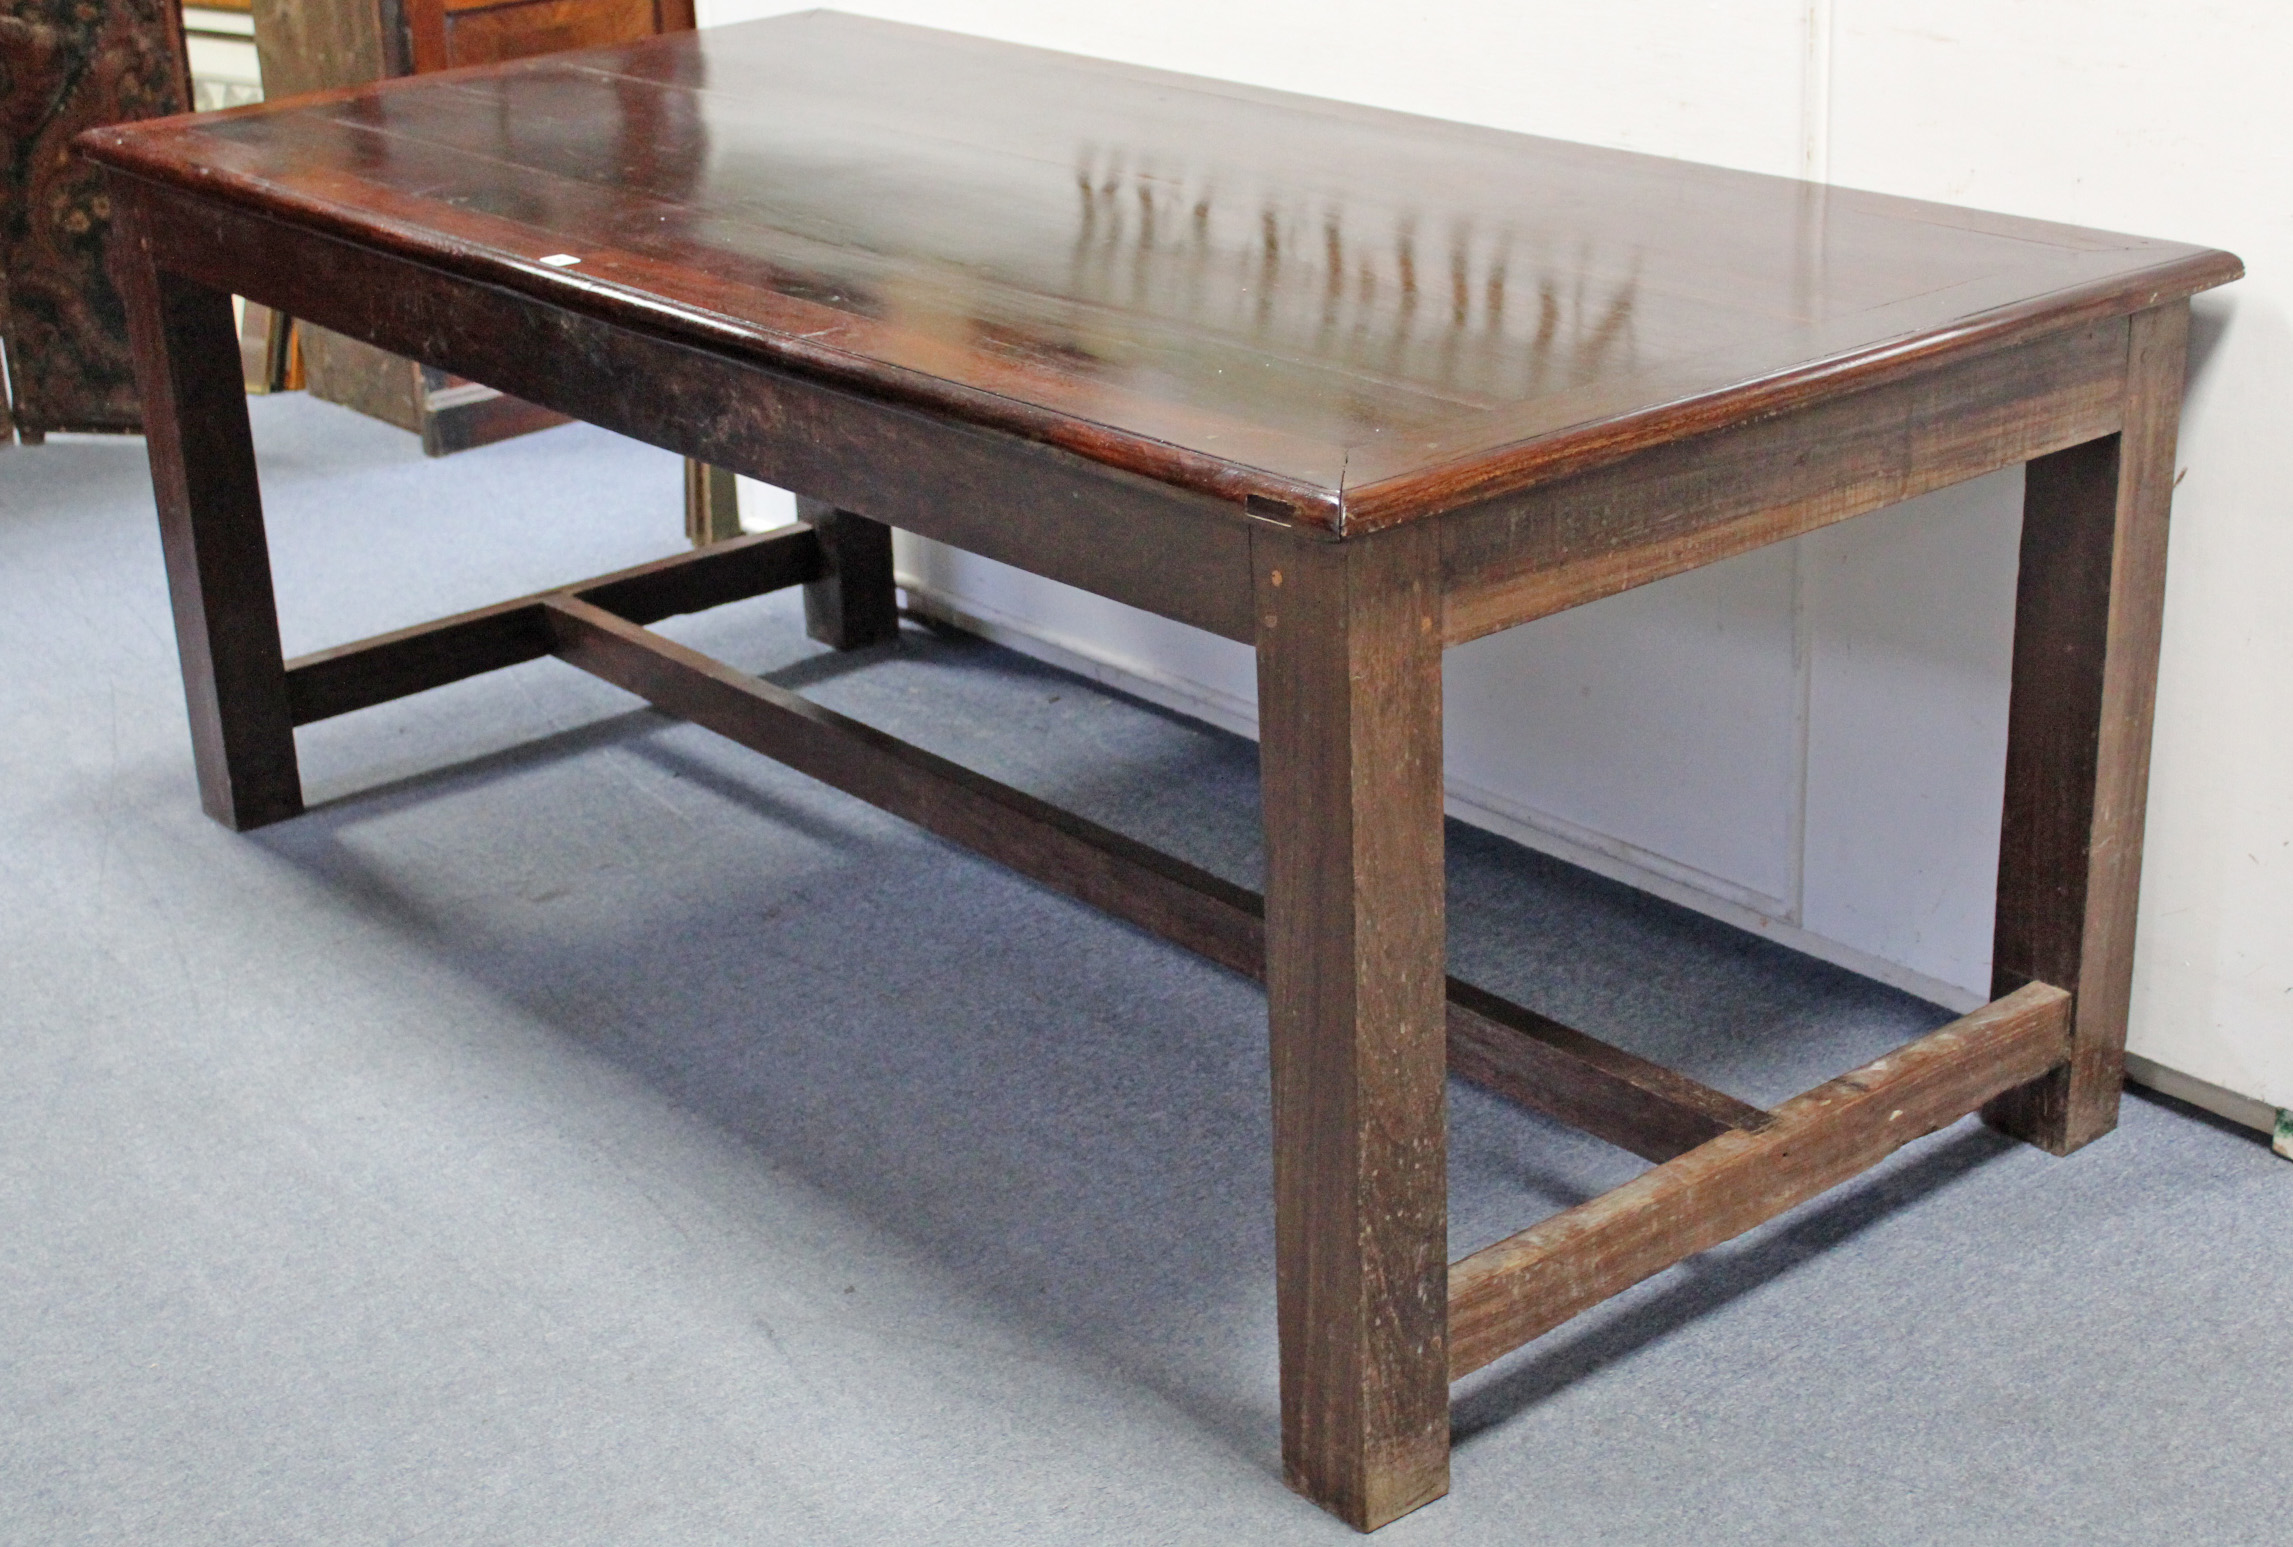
column 68, row 65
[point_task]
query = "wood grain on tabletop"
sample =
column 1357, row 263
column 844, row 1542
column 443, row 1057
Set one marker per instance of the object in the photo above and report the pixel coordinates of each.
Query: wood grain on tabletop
column 1358, row 315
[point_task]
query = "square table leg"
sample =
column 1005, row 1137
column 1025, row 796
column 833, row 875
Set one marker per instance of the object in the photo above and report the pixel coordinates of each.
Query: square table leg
column 855, row 603
column 211, row 531
column 1349, row 684
column 2087, row 615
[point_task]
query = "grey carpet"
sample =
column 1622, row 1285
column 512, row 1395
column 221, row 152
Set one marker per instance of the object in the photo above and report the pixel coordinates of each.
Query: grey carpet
column 578, row 1130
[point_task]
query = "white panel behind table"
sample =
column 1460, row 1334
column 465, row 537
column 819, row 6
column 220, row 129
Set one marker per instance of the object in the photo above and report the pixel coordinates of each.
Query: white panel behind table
column 1659, row 728
column 1910, row 616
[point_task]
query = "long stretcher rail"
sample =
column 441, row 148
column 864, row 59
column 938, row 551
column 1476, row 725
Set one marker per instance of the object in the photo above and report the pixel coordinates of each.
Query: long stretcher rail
column 598, row 625
column 374, row 671
column 1724, row 1165
column 1606, row 1091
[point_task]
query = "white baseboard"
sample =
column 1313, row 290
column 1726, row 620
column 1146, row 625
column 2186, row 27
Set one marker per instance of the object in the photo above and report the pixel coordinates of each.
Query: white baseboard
column 2219, row 1100
column 1170, row 691
column 1623, row 867
column 1605, row 856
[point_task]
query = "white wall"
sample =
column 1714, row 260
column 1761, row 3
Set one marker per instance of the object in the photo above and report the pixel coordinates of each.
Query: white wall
column 1839, row 700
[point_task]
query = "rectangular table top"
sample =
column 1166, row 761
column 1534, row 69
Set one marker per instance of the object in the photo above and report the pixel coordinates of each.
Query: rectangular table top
column 1363, row 316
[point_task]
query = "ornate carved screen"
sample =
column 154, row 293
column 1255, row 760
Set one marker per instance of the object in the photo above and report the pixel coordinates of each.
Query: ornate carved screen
column 68, row 65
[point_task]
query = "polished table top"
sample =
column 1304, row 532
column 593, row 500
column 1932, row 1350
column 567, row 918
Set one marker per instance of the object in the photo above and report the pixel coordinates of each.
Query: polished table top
column 1361, row 316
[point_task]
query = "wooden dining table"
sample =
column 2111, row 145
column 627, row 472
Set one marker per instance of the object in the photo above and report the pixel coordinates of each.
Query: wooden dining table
column 1342, row 384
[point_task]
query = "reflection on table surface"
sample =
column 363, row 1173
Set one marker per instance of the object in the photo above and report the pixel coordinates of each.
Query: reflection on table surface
column 1306, row 286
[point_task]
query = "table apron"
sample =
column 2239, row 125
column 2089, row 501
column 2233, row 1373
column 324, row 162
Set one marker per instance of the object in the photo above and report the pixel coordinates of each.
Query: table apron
column 1181, row 555
column 1693, row 502
column 1116, row 534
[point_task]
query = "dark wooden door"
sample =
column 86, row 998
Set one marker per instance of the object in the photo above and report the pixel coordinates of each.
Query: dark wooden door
column 447, row 33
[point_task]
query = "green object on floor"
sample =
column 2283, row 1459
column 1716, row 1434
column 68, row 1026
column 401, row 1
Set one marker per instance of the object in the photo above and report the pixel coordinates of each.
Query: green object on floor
column 2284, row 1141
